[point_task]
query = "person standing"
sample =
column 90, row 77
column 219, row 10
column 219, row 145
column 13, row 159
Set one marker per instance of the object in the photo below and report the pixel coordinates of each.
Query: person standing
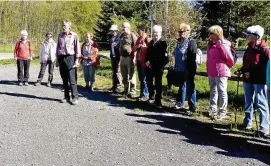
column 186, row 66
column 219, row 62
column 47, row 57
column 156, row 59
column 23, row 55
column 115, row 59
column 140, row 49
column 89, row 56
column 68, row 53
column 127, row 60
column 254, row 74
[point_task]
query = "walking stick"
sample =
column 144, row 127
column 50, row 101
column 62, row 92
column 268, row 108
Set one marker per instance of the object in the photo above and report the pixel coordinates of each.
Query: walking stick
column 237, row 93
column 257, row 127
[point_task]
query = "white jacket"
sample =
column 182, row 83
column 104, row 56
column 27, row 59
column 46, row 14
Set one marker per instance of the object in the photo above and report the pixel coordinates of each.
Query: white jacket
column 44, row 51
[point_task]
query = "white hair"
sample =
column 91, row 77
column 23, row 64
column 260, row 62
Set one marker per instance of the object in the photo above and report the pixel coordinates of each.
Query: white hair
column 157, row 28
column 24, row 33
column 126, row 24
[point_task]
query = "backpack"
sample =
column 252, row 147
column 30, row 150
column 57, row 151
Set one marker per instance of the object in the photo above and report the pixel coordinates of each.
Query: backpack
column 199, row 57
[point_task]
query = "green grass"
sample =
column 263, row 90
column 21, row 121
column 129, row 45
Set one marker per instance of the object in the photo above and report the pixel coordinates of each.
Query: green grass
column 7, row 48
column 12, row 61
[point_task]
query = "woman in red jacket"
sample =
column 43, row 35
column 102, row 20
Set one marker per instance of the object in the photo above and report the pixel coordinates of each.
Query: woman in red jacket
column 140, row 49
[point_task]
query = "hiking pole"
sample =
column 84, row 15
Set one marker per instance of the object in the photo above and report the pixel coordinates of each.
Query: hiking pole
column 238, row 73
column 257, row 127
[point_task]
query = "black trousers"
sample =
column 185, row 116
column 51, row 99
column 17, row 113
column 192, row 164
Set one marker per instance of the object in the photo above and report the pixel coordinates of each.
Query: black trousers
column 50, row 70
column 116, row 74
column 68, row 75
column 23, row 70
column 154, row 75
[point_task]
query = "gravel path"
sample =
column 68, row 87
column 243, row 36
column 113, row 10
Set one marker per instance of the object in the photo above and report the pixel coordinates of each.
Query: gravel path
column 35, row 129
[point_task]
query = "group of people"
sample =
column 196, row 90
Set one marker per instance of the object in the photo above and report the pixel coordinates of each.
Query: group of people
column 130, row 52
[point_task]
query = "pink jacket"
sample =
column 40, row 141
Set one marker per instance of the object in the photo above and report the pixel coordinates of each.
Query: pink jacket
column 219, row 59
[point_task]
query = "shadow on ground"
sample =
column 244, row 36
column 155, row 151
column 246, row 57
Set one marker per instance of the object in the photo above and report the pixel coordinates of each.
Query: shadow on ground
column 195, row 132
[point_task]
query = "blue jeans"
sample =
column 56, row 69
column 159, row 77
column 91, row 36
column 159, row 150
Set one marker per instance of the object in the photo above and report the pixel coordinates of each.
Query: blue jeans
column 144, row 92
column 187, row 89
column 259, row 92
column 89, row 74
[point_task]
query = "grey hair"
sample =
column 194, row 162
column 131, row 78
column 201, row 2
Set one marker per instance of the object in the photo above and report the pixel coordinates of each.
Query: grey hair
column 127, row 24
column 67, row 22
column 157, row 27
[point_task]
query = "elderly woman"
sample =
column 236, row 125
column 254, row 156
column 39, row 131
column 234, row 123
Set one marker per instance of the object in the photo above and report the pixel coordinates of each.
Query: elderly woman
column 23, row 54
column 140, row 49
column 89, row 57
column 219, row 62
column 254, row 72
column 185, row 65
column 47, row 57
column 156, row 59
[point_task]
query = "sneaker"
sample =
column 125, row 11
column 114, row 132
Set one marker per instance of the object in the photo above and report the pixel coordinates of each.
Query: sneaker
column 221, row 116
column 131, row 95
column 151, row 100
column 20, row 84
column 26, row 84
column 143, row 98
column 48, row 84
column 179, row 105
column 74, row 102
column 37, row 83
column 264, row 132
column 65, row 100
column 212, row 112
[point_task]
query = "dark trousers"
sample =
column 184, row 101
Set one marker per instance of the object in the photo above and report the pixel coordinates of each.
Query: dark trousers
column 157, row 75
column 50, row 70
column 68, row 75
column 116, row 74
column 23, row 70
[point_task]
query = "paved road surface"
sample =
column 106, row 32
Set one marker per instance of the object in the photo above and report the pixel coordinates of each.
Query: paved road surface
column 35, row 129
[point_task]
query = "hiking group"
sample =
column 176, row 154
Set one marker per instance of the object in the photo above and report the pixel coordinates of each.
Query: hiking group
column 131, row 52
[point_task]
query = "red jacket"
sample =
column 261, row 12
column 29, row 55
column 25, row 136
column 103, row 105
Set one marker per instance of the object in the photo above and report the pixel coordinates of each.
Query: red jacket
column 23, row 51
column 254, row 62
column 141, row 45
column 94, row 53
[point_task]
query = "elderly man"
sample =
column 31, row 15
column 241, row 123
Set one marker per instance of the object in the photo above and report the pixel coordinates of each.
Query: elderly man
column 156, row 59
column 115, row 59
column 254, row 72
column 68, row 52
column 127, row 60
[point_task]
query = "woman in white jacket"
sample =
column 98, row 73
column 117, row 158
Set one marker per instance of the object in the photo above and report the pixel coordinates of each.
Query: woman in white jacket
column 47, row 57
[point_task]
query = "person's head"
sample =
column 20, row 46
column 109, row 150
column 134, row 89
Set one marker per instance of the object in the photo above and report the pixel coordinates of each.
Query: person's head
column 215, row 33
column 126, row 27
column 157, row 32
column 254, row 33
column 142, row 30
column 184, row 30
column 114, row 30
column 67, row 26
column 48, row 36
column 23, row 34
column 88, row 37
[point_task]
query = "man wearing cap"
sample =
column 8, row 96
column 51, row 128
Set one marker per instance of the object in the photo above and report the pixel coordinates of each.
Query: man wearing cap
column 127, row 60
column 47, row 57
column 23, row 54
column 68, row 52
column 115, row 59
column 254, row 75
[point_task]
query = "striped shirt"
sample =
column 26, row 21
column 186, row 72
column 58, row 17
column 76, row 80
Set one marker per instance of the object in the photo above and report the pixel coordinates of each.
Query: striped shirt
column 68, row 44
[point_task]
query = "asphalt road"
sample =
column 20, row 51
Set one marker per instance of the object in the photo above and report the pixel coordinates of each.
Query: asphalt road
column 35, row 129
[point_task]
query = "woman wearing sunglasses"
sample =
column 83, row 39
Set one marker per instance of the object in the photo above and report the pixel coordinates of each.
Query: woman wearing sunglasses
column 219, row 62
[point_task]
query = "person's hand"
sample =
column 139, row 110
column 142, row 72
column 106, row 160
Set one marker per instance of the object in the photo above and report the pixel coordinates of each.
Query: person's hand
column 31, row 58
column 15, row 58
column 247, row 75
column 114, row 44
column 238, row 73
column 134, row 60
column 76, row 64
column 148, row 64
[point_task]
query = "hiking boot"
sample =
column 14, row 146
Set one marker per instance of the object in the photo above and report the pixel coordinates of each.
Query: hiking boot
column 26, row 84
column 74, row 102
column 37, row 83
column 65, row 100
column 48, row 84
